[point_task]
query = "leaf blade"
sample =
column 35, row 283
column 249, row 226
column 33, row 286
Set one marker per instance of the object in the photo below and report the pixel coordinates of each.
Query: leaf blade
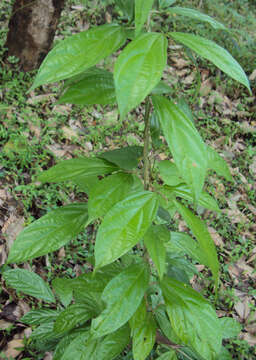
column 142, row 10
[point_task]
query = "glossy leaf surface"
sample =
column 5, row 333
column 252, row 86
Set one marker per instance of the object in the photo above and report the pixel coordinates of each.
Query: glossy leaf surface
column 122, row 296
column 142, row 10
column 192, row 318
column 41, row 316
column 126, row 158
column 29, row 283
column 66, row 341
column 79, row 52
column 185, row 143
column 144, row 337
column 138, row 70
column 214, row 53
column 203, row 236
column 62, row 287
column 218, row 164
column 124, row 225
column 49, row 233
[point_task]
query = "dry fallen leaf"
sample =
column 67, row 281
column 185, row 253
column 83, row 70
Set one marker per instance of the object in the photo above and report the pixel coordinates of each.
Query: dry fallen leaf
column 216, row 237
column 13, row 226
column 242, row 308
column 14, row 348
column 251, row 339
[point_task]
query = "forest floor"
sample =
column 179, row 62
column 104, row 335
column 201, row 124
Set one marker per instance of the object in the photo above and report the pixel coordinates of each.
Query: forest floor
column 36, row 133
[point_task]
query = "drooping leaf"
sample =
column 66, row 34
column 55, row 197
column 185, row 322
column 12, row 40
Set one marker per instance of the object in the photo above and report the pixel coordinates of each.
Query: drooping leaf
column 165, row 325
column 95, row 87
column 155, row 239
column 218, row 164
column 62, row 287
column 185, row 143
column 230, row 327
column 79, row 52
column 29, row 283
column 124, row 225
column 41, row 316
column 192, row 318
column 169, row 173
column 49, row 233
column 196, row 15
column 169, row 355
column 142, row 10
column 180, row 268
column 107, row 193
column 214, row 53
column 77, row 168
column 66, row 341
column 126, row 158
column 203, row 236
column 161, row 88
column 122, row 296
column 138, row 70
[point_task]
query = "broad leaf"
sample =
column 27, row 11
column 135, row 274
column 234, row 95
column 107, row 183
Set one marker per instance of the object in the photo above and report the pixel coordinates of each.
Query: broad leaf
column 218, row 164
column 196, row 15
column 138, row 70
column 122, row 296
column 161, row 88
column 81, row 168
column 67, row 340
column 44, row 333
column 41, row 316
column 230, row 327
column 214, row 53
column 142, row 10
column 79, row 52
column 29, row 283
column 192, row 318
column 107, row 348
column 107, row 193
column 95, row 87
column 126, row 158
column 155, row 239
column 185, row 143
column 62, row 287
column 169, row 173
column 165, row 325
column 203, row 236
column 169, row 355
column 123, row 226
column 49, row 233
column 224, row 354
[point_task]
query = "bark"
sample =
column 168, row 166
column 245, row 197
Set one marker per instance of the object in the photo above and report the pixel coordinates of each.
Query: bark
column 32, row 28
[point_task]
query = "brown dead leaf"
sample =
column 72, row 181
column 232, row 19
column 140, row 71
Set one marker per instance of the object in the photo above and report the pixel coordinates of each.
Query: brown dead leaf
column 216, row 237
column 3, row 255
column 57, row 150
column 4, row 324
column 188, row 80
column 179, row 63
column 40, row 98
column 242, row 308
column 13, row 226
column 62, row 109
column 206, row 87
column 14, row 348
column 251, row 339
column 69, row 133
column 253, row 75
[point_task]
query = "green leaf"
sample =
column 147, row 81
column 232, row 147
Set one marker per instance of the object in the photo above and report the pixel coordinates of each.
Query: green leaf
column 185, row 143
column 72, row 316
column 155, row 239
column 62, row 287
column 79, row 52
column 107, row 348
column 49, row 233
column 169, row 355
column 122, row 296
column 166, row 3
column 66, row 341
column 203, row 236
column 180, row 268
column 161, row 88
column 224, row 354
column 29, row 283
column 124, row 225
column 165, row 325
column 142, row 10
column 96, row 86
column 81, row 168
column 37, row 317
column 127, row 7
column 218, row 164
column 192, row 318
column 169, row 173
column 196, row 15
column 44, row 332
column 126, row 158
column 155, row 131
column 230, row 327
column 107, row 193
column 214, row 53
column 138, row 70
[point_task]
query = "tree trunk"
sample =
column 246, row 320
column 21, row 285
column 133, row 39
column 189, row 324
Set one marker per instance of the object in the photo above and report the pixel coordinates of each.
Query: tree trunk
column 31, row 30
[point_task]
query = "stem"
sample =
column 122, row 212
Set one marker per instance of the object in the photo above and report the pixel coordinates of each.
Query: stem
column 146, row 145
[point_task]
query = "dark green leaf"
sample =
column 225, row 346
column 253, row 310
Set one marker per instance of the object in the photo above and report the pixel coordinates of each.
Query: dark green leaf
column 127, row 7
column 138, row 70
column 169, row 355
column 161, row 88
column 124, row 225
column 165, row 325
column 49, row 233
column 79, row 52
column 44, row 332
column 230, row 327
column 180, row 268
column 72, row 316
column 37, row 317
column 122, row 296
column 169, row 173
column 29, row 283
column 192, row 318
column 62, row 287
column 126, row 158
column 142, row 10
column 155, row 131
column 66, row 341
column 218, row 164
column 214, row 53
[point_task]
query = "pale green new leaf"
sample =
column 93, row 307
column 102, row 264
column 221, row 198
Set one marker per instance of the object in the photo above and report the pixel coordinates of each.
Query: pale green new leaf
column 62, row 287
column 155, row 239
column 192, row 318
column 169, row 355
column 41, row 316
column 29, row 283
column 108, row 192
column 49, row 233
column 72, row 316
column 79, row 52
column 218, row 164
column 230, row 327
column 81, row 168
column 185, row 143
column 124, row 225
column 138, row 70
column 122, row 296
column 203, row 237
column 196, row 15
column 142, row 10
column 169, row 173
column 214, row 53
column 126, row 158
